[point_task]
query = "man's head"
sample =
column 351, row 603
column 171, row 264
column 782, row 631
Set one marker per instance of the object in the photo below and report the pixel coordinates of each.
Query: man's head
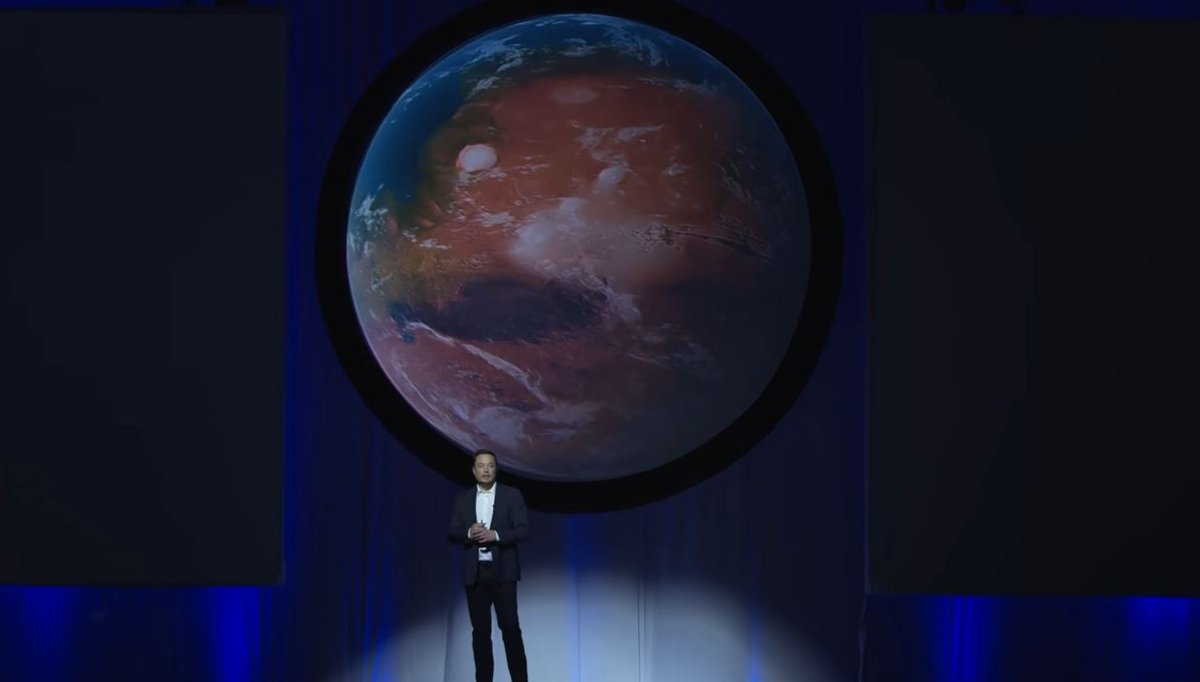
column 484, row 468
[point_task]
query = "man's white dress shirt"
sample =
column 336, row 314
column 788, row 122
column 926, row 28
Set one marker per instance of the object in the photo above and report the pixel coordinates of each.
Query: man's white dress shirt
column 485, row 503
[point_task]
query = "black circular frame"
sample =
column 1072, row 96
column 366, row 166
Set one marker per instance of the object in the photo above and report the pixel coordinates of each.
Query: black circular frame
column 720, row 451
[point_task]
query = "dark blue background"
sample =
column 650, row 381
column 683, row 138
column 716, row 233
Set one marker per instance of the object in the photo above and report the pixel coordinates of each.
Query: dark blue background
column 352, row 495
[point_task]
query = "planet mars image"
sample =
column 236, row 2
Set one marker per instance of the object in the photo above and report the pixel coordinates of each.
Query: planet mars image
column 581, row 242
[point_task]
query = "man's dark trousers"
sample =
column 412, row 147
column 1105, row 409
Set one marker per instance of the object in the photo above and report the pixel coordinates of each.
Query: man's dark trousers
column 486, row 592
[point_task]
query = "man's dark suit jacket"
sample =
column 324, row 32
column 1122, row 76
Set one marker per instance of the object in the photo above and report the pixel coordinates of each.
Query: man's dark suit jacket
column 509, row 519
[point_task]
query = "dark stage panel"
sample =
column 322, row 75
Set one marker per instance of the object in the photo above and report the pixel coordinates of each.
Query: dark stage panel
column 1032, row 294
column 143, row 297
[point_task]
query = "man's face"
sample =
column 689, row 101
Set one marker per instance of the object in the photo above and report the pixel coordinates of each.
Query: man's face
column 485, row 469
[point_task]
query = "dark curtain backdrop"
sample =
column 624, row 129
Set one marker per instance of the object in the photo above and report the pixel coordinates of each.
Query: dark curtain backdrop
column 756, row 574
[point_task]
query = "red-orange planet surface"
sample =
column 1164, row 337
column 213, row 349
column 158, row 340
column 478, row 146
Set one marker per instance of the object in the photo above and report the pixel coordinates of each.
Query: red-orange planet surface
column 591, row 260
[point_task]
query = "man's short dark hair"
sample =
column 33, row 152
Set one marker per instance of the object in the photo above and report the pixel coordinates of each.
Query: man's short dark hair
column 485, row 451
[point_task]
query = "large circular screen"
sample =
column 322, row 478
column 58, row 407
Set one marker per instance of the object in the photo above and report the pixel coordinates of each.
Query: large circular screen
column 580, row 241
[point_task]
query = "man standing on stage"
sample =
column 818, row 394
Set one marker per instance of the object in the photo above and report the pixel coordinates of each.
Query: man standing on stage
column 490, row 521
